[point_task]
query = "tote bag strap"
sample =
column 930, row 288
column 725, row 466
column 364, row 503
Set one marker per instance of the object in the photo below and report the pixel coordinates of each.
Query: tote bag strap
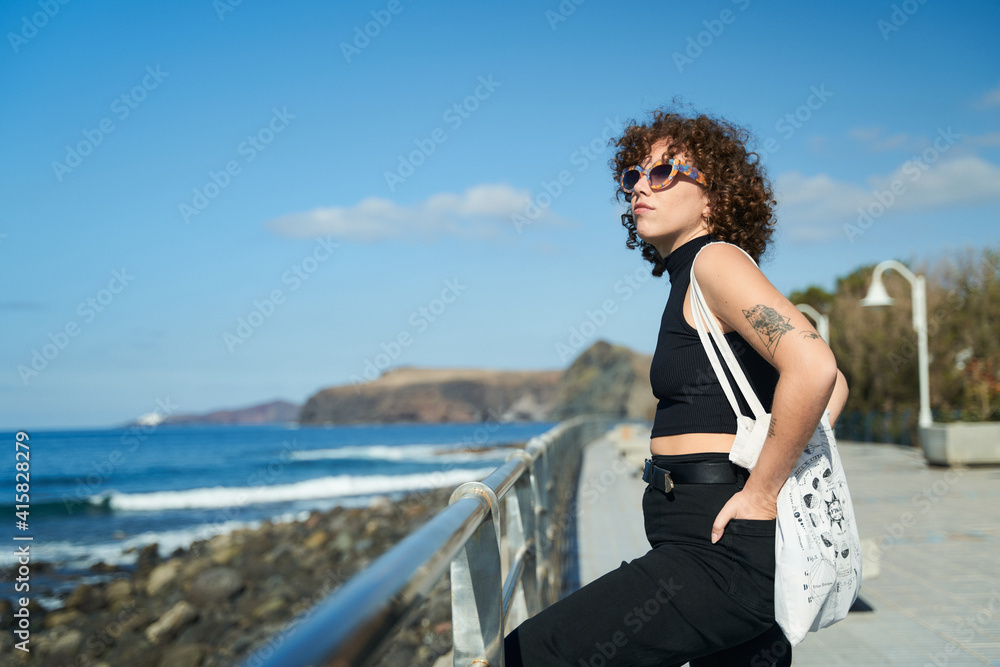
column 702, row 317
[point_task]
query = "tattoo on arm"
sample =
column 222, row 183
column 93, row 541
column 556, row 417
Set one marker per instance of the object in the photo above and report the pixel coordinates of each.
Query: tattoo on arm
column 770, row 427
column 810, row 334
column 769, row 324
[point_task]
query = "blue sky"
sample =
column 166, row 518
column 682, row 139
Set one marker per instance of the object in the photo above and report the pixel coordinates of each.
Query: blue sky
column 371, row 184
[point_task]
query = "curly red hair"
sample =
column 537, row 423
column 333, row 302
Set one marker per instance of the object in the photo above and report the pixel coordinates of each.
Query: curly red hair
column 741, row 200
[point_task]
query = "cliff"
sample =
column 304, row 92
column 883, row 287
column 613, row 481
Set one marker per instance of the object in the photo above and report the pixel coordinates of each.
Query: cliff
column 411, row 394
column 605, row 378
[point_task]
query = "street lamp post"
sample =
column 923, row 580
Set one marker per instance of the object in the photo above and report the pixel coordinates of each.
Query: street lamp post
column 877, row 296
column 821, row 320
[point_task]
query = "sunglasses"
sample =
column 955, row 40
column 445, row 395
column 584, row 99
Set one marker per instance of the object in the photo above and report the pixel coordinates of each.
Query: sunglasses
column 660, row 175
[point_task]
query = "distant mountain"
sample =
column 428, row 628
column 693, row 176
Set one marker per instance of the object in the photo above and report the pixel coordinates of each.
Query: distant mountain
column 431, row 395
column 605, row 378
column 265, row 413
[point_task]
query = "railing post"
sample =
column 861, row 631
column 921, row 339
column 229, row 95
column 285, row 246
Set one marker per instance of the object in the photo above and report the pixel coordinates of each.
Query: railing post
column 542, row 504
column 476, row 587
column 521, row 535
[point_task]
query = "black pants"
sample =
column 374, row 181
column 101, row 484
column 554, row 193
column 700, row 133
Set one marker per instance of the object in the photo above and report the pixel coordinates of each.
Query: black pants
column 685, row 600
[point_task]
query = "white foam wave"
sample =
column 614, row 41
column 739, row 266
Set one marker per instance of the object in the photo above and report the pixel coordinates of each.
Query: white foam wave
column 435, row 453
column 322, row 487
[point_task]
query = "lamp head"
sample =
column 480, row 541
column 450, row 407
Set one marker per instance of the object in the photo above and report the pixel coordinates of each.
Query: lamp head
column 877, row 296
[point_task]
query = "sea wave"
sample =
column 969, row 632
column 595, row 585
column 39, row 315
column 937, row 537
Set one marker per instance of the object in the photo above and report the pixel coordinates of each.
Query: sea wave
column 436, row 453
column 321, row 487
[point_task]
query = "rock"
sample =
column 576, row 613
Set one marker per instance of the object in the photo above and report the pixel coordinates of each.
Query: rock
column 61, row 617
column 131, row 649
column 343, row 541
column 170, row 622
column 381, row 505
column 277, row 553
column 316, row 540
column 66, row 647
column 227, row 555
column 102, row 567
column 117, row 590
column 6, row 614
column 216, row 584
column 220, row 542
column 184, row 655
column 272, row 607
column 195, row 566
column 36, row 610
column 147, row 559
column 162, row 576
column 86, row 598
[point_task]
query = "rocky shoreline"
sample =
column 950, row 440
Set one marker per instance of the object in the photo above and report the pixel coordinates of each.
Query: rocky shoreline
column 217, row 602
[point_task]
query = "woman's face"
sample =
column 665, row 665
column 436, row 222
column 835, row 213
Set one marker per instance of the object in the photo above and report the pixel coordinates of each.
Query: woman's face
column 668, row 218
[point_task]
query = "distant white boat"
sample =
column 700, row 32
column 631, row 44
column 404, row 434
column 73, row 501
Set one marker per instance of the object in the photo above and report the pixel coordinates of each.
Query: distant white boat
column 150, row 419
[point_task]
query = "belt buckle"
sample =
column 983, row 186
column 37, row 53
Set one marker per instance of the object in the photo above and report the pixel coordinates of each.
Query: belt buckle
column 649, row 477
column 668, row 482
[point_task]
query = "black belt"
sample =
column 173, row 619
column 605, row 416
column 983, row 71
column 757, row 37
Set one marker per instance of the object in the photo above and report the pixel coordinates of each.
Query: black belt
column 723, row 472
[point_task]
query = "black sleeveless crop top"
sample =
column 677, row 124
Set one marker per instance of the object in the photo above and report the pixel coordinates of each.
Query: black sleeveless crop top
column 691, row 400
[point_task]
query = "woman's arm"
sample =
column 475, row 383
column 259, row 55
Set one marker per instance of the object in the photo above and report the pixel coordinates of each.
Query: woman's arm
column 838, row 398
column 741, row 297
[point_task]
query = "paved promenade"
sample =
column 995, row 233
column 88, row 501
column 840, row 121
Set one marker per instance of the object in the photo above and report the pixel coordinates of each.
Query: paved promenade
column 932, row 551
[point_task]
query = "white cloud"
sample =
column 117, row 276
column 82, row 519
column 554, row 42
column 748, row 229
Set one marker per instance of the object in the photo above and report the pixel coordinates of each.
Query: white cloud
column 482, row 211
column 989, row 139
column 991, row 98
column 865, row 134
column 874, row 139
column 815, row 208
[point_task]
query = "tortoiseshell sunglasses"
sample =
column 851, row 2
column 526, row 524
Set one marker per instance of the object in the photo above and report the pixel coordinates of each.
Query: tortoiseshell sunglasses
column 660, row 174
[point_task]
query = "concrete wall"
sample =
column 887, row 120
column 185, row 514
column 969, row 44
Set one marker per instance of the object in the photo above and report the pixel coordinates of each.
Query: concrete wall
column 962, row 443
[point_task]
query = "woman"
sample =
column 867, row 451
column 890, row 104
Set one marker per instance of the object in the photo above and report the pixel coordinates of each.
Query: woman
column 704, row 592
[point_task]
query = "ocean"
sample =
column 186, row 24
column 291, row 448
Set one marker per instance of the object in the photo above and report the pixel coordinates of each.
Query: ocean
column 103, row 494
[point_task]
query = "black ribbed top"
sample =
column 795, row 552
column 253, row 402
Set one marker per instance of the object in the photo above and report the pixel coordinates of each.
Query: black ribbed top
column 691, row 399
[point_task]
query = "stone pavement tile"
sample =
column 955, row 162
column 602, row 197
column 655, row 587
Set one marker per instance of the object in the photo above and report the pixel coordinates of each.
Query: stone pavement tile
column 609, row 511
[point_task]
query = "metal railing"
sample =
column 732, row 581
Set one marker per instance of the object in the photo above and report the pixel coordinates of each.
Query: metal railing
column 531, row 493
